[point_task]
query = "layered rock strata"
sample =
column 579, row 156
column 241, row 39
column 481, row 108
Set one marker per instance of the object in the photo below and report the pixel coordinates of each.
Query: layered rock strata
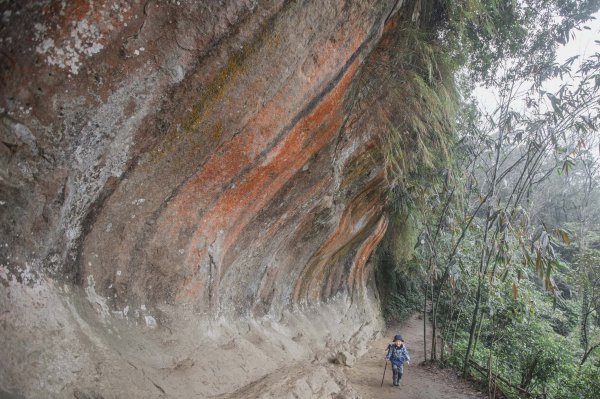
column 190, row 193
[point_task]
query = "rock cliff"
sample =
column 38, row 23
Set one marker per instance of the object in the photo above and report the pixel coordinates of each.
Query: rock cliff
column 190, row 193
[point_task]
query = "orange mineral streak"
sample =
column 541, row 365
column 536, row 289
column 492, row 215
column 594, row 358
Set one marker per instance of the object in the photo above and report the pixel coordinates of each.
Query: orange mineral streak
column 222, row 167
column 357, row 216
column 239, row 204
column 225, row 165
column 307, row 197
column 236, row 154
column 267, row 282
column 359, row 273
column 390, row 25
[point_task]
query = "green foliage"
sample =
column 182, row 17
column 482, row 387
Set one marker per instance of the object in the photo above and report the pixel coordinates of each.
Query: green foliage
column 575, row 382
column 512, row 278
column 402, row 233
column 401, row 290
column 520, row 37
column 532, row 338
column 421, row 111
column 517, row 333
column 564, row 321
column 532, row 355
column 421, row 127
column 402, row 304
column 397, row 273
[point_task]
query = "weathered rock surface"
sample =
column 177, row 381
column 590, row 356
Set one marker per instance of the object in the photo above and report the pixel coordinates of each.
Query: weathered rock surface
column 345, row 358
column 189, row 193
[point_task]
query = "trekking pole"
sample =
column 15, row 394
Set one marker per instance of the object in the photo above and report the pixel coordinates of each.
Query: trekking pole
column 384, row 369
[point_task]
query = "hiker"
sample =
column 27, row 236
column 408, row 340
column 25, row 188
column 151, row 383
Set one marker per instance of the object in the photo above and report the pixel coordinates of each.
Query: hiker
column 397, row 355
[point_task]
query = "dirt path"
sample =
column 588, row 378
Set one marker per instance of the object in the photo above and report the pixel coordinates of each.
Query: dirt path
column 418, row 382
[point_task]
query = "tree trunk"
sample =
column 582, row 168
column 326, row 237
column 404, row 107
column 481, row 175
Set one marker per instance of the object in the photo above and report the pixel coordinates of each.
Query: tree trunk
column 455, row 330
column 479, row 323
column 587, row 353
column 585, row 319
column 472, row 328
column 490, row 377
column 433, row 328
column 425, row 322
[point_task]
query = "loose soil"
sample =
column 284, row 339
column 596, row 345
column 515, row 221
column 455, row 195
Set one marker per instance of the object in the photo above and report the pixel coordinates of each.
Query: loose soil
column 420, row 381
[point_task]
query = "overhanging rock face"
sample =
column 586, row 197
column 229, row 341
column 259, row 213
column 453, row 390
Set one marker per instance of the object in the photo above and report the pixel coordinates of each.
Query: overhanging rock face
column 182, row 163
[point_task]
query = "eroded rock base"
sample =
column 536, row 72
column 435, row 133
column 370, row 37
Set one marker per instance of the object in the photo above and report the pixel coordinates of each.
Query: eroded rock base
column 61, row 343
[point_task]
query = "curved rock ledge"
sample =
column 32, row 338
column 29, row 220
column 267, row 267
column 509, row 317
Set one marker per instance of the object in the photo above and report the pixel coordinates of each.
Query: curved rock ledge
column 186, row 186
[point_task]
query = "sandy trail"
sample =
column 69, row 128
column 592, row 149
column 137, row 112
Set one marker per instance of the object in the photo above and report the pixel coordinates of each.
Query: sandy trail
column 418, row 382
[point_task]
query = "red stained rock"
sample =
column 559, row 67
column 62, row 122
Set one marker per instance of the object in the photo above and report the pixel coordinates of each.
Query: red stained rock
column 168, row 158
column 178, row 127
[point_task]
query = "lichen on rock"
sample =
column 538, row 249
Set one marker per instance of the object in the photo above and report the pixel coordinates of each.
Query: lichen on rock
column 185, row 179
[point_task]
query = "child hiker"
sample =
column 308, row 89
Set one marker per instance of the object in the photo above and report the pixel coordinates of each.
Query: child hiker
column 397, row 355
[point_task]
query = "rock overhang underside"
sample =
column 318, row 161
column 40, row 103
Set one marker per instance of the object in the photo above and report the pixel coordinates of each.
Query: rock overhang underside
column 187, row 186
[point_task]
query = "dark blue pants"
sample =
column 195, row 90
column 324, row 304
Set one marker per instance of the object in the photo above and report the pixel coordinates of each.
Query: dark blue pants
column 397, row 371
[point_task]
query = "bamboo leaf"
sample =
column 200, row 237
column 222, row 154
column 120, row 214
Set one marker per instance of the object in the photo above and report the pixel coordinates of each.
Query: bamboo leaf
column 563, row 235
column 538, row 263
column 555, row 102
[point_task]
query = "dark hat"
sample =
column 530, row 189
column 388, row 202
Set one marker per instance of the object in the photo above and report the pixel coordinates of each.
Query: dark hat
column 398, row 338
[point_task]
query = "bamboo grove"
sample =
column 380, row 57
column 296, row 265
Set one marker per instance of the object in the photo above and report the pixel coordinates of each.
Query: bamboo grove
column 495, row 231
